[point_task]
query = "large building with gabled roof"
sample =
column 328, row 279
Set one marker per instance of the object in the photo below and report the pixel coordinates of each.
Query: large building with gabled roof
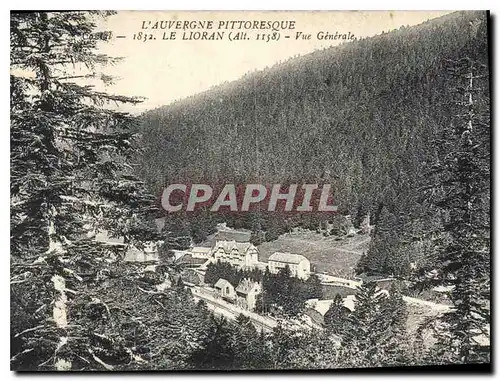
column 240, row 254
column 299, row 265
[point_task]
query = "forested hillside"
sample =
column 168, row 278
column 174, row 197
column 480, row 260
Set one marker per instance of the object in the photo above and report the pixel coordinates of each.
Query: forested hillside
column 363, row 116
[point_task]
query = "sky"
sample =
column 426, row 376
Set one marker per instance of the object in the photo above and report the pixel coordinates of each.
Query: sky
column 163, row 71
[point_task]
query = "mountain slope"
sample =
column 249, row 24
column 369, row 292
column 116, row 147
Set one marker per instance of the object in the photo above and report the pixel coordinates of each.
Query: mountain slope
column 361, row 116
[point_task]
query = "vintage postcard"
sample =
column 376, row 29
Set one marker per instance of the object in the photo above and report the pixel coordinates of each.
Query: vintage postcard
column 245, row 190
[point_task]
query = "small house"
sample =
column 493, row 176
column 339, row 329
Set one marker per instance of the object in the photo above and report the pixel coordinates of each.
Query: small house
column 225, row 289
column 246, row 294
column 149, row 253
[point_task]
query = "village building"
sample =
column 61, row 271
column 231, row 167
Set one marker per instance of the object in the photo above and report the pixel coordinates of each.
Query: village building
column 201, row 252
column 246, row 294
column 299, row 265
column 177, row 254
column 239, row 254
column 188, row 260
column 148, row 253
column 225, row 289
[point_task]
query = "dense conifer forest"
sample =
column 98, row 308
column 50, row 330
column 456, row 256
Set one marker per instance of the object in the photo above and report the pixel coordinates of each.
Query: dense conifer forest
column 363, row 116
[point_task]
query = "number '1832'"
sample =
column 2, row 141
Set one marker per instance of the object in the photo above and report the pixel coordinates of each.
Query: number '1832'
column 143, row 36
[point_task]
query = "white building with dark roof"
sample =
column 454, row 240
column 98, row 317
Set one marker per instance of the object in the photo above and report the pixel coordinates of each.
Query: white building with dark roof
column 148, row 253
column 246, row 293
column 240, row 254
column 299, row 265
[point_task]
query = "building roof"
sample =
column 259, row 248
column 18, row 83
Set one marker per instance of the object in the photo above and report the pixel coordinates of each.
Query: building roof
column 228, row 246
column 179, row 253
column 188, row 259
column 287, row 258
column 133, row 254
column 245, row 286
column 221, row 283
column 200, row 249
column 443, row 288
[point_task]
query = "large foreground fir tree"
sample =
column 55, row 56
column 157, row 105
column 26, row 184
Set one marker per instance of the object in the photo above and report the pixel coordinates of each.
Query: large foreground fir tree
column 69, row 179
column 461, row 193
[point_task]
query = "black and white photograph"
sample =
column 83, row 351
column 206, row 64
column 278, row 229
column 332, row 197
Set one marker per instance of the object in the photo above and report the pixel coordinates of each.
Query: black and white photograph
column 250, row 190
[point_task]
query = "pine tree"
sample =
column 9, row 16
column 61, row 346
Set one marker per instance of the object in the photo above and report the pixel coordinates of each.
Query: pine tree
column 283, row 343
column 395, row 343
column 314, row 288
column 69, row 178
column 365, row 328
column 247, row 344
column 286, row 292
column 176, row 234
column 217, row 351
column 461, row 193
column 336, row 315
column 386, row 254
column 211, row 276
